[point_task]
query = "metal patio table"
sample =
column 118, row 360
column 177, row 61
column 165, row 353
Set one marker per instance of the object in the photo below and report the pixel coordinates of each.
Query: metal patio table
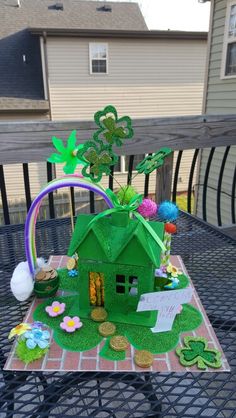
column 210, row 258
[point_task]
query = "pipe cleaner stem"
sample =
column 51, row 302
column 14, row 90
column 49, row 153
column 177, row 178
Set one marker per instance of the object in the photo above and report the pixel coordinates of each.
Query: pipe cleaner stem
column 165, row 256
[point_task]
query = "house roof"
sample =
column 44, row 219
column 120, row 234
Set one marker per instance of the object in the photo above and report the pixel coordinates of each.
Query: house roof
column 21, row 83
column 114, row 240
column 130, row 34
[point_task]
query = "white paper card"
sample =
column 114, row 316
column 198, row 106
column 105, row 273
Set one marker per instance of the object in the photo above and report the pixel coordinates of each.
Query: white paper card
column 167, row 304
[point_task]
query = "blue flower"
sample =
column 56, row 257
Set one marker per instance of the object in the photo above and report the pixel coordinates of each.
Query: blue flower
column 73, row 273
column 37, row 337
column 37, row 324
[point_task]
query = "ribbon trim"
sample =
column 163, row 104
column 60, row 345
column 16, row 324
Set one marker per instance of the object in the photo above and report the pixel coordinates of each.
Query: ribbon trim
column 131, row 207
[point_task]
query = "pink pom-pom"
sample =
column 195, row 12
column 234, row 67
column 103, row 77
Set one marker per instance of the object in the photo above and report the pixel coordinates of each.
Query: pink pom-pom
column 148, row 208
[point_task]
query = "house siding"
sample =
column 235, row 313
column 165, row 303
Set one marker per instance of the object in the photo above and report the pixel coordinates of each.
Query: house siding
column 146, row 78
column 220, row 99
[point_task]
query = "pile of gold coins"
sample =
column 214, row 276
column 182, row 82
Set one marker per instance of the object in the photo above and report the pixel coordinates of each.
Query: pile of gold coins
column 46, row 273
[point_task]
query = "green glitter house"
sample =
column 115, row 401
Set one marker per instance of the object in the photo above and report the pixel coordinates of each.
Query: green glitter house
column 117, row 262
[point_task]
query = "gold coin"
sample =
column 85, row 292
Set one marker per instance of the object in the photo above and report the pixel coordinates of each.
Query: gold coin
column 106, row 329
column 47, row 276
column 119, row 343
column 47, row 268
column 71, row 263
column 143, row 358
column 99, row 314
column 40, row 275
column 53, row 274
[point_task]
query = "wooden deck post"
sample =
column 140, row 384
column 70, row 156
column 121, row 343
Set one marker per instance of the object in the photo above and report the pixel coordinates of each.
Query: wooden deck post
column 164, row 179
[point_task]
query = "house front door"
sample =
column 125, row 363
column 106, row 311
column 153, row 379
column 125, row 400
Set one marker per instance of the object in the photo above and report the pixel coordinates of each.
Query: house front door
column 96, row 288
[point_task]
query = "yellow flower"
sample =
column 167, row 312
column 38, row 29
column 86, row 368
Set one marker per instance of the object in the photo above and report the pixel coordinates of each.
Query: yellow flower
column 174, row 271
column 19, row 330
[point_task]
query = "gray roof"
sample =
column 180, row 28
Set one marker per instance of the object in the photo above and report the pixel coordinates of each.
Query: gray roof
column 19, row 80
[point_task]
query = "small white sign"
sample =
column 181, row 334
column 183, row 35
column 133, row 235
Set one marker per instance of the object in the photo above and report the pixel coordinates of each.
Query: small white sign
column 167, row 304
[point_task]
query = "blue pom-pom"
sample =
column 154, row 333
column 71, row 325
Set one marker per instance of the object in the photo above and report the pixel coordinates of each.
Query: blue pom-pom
column 168, row 211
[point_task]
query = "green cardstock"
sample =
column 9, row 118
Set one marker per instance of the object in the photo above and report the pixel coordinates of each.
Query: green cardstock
column 154, row 161
column 126, row 255
column 97, row 159
column 113, row 130
column 68, row 154
column 196, row 352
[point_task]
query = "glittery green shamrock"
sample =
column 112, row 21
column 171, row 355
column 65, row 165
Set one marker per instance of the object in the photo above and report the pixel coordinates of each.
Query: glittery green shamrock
column 97, row 159
column 152, row 162
column 112, row 129
column 67, row 154
column 196, row 351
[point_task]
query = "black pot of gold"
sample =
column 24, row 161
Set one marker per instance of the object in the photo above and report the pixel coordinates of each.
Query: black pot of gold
column 46, row 282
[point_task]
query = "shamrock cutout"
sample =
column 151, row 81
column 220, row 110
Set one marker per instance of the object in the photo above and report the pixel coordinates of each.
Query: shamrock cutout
column 97, row 160
column 152, row 162
column 67, row 154
column 196, row 351
column 112, row 129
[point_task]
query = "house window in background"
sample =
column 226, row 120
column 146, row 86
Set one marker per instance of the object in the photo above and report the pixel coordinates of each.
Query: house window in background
column 229, row 49
column 98, row 55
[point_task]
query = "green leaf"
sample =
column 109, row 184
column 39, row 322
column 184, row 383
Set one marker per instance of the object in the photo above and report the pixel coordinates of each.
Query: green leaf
column 58, row 144
column 71, row 144
column 109, row 123
column 70, row 166
column 56, row 158
column 68, row 154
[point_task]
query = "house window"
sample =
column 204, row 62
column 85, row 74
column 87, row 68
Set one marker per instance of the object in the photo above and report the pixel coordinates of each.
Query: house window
column 127, row 285
column 98, row 55
column 229, row 49
column 133, row 285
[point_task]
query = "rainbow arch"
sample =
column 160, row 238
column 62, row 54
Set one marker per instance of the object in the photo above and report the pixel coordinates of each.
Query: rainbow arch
column 74, row 180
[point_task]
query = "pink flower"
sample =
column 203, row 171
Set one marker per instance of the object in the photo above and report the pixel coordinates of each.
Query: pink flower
column 71, row 324
column 55, row 309
column 148, row 208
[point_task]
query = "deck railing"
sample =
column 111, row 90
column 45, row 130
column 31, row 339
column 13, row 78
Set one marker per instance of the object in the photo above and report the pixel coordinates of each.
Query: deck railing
column 26, row 142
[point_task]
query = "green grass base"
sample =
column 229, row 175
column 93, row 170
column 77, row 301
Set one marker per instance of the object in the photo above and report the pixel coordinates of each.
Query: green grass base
column 82, row 339
column 27, row 355
column 140, row 337
column 143, row 338
column 161, row 282
column 66, row 282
